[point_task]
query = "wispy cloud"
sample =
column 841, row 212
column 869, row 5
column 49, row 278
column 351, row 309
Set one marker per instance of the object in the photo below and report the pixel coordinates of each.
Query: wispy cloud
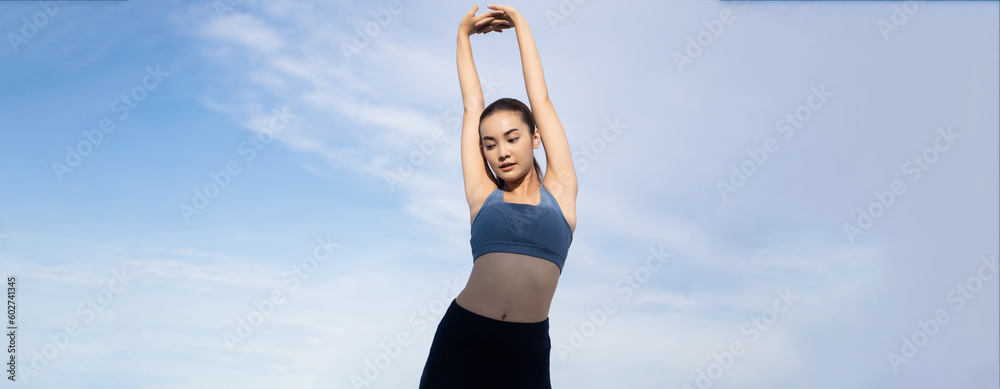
column 404, row 247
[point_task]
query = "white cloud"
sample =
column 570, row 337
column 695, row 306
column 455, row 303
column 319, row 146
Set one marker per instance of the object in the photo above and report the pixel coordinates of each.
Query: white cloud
column 653, row 187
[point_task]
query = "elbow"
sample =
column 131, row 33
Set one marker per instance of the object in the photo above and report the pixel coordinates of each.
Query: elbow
column 539, row 98
column 474, row 109
column 473, row 105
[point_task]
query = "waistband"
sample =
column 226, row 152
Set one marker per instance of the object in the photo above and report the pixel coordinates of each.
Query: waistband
column 472, row 329
column 465, row 312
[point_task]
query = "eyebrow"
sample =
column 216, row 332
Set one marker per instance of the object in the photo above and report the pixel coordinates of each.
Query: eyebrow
column 504, row 134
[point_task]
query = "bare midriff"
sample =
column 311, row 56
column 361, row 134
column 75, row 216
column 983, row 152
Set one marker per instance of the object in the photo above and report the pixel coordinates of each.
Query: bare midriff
column 510, row 287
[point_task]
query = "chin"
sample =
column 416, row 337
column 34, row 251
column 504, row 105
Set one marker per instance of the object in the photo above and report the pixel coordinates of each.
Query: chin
column 511, row 175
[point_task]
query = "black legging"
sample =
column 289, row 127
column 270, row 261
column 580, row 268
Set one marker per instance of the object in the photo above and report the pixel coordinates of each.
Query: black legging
column 473, row 351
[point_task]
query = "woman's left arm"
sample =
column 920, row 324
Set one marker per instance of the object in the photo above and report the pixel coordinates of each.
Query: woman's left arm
column 557, row 153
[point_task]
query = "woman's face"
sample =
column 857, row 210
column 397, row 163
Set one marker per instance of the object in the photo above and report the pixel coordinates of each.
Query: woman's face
column 507, row 140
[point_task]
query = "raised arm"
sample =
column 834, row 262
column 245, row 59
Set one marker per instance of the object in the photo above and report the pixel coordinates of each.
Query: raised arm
column 559, row 171
column 468, row 78
column 476, row 172
column 472, row 92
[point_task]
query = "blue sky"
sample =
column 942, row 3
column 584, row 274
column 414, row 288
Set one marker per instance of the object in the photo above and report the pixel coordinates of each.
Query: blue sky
column 304, row 266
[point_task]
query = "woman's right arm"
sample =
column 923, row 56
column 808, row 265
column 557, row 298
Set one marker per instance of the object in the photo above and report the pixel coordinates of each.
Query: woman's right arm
column 472, row 92
column 476, row 172
column 468, row 78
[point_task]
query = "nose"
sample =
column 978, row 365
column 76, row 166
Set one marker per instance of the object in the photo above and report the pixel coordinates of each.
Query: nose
column 503, row 152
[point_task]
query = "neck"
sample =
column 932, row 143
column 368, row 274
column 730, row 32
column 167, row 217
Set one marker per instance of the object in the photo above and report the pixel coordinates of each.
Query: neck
column 521, row 187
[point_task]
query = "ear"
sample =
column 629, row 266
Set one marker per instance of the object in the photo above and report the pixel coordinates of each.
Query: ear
column 536, row 140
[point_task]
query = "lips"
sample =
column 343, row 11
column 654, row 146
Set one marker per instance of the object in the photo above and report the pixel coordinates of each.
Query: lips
column 507, row 166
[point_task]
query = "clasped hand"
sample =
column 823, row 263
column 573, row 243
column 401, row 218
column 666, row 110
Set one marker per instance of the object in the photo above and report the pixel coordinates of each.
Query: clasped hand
column 501, row 17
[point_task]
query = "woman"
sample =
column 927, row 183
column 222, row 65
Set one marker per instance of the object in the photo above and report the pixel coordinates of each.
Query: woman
column 495, row 333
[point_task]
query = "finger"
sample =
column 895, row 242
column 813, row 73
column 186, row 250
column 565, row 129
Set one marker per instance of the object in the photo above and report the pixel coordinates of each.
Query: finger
column 490, row 13
column 496, row 28
column 487, row 16
column 473, row 10
column 493, row 22
column 485, row 21
column 499, row 25
column 497, row 7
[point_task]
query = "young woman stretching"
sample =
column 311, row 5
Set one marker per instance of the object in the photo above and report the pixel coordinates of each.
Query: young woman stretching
column 495, row 334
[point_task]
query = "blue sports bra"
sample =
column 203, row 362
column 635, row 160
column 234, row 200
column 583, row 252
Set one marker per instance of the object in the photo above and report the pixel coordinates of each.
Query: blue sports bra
column 537, row 230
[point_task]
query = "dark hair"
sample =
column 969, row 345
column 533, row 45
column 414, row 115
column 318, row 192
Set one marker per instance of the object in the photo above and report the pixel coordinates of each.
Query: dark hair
column 508, row 104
